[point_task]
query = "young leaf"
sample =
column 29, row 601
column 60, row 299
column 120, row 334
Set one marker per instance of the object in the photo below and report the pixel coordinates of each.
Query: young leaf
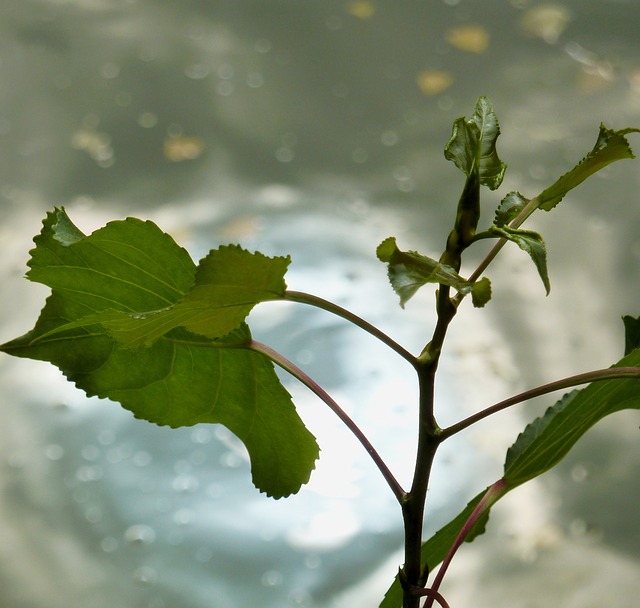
column 509, row 208
column 610, row 147
column 181, row 378
column 408, row 271
column 472, row 146
column 532, row 243
column 547, row 440
column 631, row 333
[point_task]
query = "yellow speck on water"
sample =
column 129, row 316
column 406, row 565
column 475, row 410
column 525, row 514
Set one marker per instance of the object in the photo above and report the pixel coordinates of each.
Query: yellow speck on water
column 177, row 149
column 361, row 9
column 432, row 82
column 470, row 38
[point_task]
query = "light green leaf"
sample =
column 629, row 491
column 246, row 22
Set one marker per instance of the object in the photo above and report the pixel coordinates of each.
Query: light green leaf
column 229, row 283
column 480, row 292
column 532, row 243
column 181, row 378
column 472, row 146
column 408, row 271
column 509, row 208
column 610, row 147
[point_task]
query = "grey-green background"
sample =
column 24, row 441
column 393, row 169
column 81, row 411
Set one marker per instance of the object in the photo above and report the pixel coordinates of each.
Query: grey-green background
column 312, row 128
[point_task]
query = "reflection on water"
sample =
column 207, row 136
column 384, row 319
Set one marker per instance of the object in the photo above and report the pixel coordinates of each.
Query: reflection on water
column 315, row 130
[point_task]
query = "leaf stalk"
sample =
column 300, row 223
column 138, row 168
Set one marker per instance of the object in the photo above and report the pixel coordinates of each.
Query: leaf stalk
column 314, row 387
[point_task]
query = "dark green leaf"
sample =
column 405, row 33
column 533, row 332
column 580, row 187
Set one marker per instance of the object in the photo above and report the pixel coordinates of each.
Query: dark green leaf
column 610, row 147
column 547, row 440
column 472, row 146
column 182, row 378
column 509, row 208
column 408, row 271
column 532, row 243
column 631, row 333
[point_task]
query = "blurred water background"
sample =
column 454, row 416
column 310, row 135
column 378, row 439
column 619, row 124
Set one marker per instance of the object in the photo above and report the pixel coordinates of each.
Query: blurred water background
column 316, row 129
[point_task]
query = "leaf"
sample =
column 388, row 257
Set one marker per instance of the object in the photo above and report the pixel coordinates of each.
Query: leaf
column 610, row 146
column 547, row 440
column 532, row 243
column 509, row 208
column 229, row 282
column 181, row 378
column 480, row 292
column 472, row 146
column 631, row 333
column 408, row 271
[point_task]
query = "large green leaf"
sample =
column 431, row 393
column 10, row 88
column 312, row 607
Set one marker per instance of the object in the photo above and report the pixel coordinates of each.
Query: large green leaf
column 548, row 439
column 166, row 372
column 472, row 146
column 610, row 147
column 408, row 271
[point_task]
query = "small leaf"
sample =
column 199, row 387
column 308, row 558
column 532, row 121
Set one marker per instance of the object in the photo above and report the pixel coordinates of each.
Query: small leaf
column 610, row 147
column 126, row 272
column 481, row 292
column 532, row 243
column 509, row 208
column 547, row 440
column 472, row 146
column 408, row 271
column 631, row 333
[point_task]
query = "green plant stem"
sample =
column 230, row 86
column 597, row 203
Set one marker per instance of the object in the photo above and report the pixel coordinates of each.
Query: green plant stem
column 312, row 385
column 306, row 298
column 429, row 438
column 610, row 373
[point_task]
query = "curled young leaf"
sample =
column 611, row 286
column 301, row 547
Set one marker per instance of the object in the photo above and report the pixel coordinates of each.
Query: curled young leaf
column 409, row 270
column 532, row 243
column 509, row 208
column 472, row 146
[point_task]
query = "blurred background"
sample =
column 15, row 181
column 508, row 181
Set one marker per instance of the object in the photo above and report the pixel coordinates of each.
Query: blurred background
column 316, row 129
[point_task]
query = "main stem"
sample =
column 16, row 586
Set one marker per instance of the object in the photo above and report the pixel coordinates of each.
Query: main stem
column 414, row 574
